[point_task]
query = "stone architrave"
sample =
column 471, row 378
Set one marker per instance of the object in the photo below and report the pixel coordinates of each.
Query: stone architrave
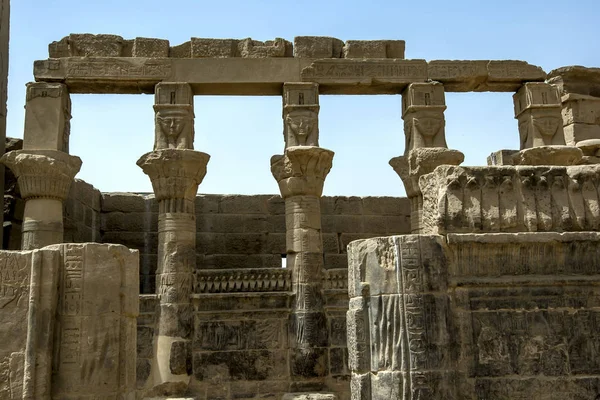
column 44, row 178
column 96, row 318
column 301, row 114
column 538, row 110
column 174, row 116
column 47, row 117
column 175, row 176
column 301, row 173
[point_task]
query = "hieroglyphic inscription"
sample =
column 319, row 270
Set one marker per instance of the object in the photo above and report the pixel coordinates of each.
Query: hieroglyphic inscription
column 115, row 69
column 71, row 307
column 14, row 280
column 414, row 319
column 444, row 70
column 402, row 70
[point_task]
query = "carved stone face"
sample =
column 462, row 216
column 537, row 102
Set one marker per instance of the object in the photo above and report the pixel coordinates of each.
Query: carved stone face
column 172, row 125
column 428, row 126
column 547, row 126
column 301, row 124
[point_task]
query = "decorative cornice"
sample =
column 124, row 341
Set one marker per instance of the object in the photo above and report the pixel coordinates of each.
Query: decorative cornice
column 242, row 280
column 43, row 173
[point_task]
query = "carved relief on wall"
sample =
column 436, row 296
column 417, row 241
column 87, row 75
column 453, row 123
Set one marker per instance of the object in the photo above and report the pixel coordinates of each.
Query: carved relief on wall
column 302, row 126
column 425, row 129
column 174, row 127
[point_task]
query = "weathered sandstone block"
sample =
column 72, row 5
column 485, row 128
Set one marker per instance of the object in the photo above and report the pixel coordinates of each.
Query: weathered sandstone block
column 374, row 49
column 510, row 199
column 576, row 79
column 317, row 47
column 150, row 47
column 438, row 317
column 87, row 45
column 47, row 117
column 68, row 317
column 214, row 48
column 538, row 110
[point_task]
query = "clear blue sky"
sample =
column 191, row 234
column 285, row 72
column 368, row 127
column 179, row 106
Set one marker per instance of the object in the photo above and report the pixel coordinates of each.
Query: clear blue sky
column 110, row 132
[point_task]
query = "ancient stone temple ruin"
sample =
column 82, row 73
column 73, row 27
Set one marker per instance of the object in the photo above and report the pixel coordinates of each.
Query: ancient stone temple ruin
column 482, row 284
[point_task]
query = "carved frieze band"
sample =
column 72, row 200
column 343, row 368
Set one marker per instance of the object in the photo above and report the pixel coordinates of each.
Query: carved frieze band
column 511, row 199
column 259, row 280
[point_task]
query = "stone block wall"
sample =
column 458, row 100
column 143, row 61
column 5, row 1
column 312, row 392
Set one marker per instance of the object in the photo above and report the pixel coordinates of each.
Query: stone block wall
column 237, row 231
column 242, row 295
column 81, row 215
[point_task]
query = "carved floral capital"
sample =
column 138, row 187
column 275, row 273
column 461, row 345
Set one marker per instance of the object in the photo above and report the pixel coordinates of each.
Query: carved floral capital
column 301, row 170
column 175, row 173
column 43, row 173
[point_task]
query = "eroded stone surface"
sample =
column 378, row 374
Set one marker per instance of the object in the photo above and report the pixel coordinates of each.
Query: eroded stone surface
column 510, row 199
column 410, row 294
column 69, row 317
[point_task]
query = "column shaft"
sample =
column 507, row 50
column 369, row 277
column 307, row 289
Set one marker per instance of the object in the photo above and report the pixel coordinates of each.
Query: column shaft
column 175, row 175
column 43, row 223
column 305, row 258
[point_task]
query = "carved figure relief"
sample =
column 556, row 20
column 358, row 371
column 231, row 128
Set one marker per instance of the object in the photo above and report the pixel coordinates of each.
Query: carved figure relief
column 174, row 128
column 302, row 128
column 424, row 130
column 547, row 127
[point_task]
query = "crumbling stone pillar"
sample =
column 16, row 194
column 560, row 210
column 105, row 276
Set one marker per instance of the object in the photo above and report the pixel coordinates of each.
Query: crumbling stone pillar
column 176, row 171
column 423, row 106
column 44, row 177
column 301, row 173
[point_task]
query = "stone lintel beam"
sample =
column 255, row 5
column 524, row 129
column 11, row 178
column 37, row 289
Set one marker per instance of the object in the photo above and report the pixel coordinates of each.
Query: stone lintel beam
column 265, row 76
column 44, row 177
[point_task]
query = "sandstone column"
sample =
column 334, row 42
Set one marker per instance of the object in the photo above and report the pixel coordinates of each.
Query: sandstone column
column 301, row 173
column 44, row 177
column 4, row 39
column 423, row 106
column 175, row 170
column 43, row 168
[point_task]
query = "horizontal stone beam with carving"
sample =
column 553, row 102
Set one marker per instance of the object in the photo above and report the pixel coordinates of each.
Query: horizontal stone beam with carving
column 510, row 199
column 265, row 76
